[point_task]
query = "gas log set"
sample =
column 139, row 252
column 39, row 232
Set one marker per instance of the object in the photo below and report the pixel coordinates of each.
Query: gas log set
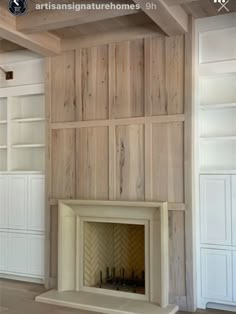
column 135, row 283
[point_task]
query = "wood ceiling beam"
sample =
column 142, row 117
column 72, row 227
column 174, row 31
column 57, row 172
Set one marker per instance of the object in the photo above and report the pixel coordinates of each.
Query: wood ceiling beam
column 45, row 44
column 7, row 46
column 172, row 20
column 45, row 20
column 111, row 37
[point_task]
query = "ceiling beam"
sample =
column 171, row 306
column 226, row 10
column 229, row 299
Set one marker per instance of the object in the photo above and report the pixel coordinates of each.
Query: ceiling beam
column 45, row 44
column 45, row 20
column 7, row 46
column 172, row 20
column 109, row 37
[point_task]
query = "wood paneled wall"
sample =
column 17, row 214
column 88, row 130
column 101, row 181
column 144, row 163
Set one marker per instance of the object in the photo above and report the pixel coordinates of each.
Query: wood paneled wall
column 117, row 132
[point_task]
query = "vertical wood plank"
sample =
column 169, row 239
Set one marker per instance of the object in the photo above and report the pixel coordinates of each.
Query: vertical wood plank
column 112, row 163
column 168, row 162
column 147, row 76
column 148, row 162
column 94, row 82
column 177, row 253
column 157, row 97
column 92, row 163
column 78, row 85
column 122, row 80
column 176, row 162
column 54, row 241
column 130, row 162
column 63, row 165
column 63, row 87
column 137, row 78
column 127, row 71
column 175, row 74
column 160, row 162
column 112, row 80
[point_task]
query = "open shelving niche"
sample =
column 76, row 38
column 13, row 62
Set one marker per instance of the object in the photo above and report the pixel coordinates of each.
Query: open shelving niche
column 217, row 123
column 3, row 134
column 22, row 129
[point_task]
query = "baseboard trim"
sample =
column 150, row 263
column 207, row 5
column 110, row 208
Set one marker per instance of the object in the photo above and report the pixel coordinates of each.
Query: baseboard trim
column 22, row 278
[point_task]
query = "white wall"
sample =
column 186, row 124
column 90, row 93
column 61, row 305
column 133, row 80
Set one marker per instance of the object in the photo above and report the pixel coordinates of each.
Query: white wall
column 23, row 64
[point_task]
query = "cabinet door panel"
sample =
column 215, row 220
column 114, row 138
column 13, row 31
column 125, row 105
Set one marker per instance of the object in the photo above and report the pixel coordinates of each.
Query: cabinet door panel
column 18, row 251
column 4, row 201
column 18, row 202
column 234, row 209
column 3, row 250
column 36, row 206
column 234, row 276
column 216, row 274
column 215, row 209
column 36, row 255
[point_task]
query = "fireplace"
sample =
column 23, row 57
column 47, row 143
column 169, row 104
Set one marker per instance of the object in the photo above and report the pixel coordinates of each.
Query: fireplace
column 112, row 257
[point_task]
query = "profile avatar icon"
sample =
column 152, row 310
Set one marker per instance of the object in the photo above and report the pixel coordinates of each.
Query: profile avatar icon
column 17, row 7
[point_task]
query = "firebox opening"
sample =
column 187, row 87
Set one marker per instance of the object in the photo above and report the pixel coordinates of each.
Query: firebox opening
column 114, row 256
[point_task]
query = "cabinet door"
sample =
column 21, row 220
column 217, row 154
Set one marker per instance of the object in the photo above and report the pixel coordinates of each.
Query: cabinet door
column 234, row 209
column 36, row 205
column 234, row 276
column 4, row 201
column 215, row 209
column 216, row 274
column 18, row 251
column 36, row 255
column 18, row 202
column 3, row 250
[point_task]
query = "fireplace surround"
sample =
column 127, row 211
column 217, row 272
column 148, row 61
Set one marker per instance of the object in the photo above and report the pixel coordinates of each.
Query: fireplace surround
column 88, row 228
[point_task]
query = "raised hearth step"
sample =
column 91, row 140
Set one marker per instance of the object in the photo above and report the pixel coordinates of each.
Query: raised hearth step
column 102, row 303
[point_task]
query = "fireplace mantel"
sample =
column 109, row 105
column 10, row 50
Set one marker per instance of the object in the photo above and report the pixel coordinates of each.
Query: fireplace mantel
column 72, row 216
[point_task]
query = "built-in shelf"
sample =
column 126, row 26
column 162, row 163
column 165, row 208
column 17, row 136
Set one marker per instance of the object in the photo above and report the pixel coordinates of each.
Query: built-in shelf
column 22, row 129
column 27, row 145
column 217, row 138
column 221, row 171
column 21, row 120
column 20, row 171
column 217, row 127
column 216, row 68
column 218, row 106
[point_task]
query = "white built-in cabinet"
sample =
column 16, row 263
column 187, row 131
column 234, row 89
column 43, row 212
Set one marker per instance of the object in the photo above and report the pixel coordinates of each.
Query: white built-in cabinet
column 22, row 165
column 215, row 209
column 217, row 280
column 215, row 152
column 23, row 202
column 22, row 230
column 218, row 234
column 233, row 178
column 234, row 274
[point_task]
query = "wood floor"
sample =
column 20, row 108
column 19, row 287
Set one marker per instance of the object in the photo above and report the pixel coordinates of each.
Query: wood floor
column 18, row 298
